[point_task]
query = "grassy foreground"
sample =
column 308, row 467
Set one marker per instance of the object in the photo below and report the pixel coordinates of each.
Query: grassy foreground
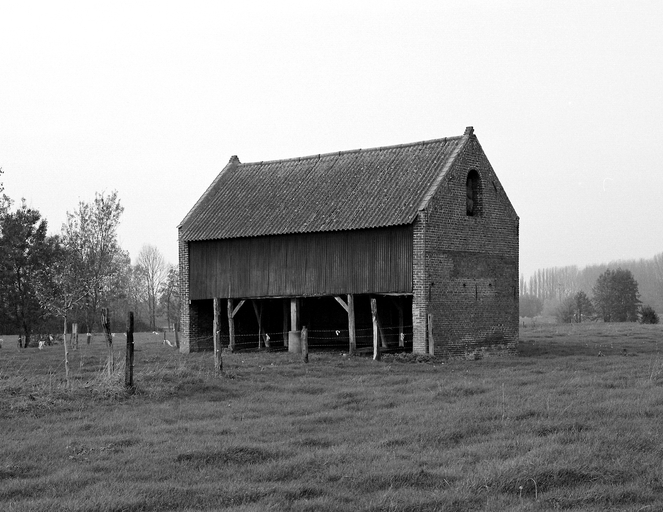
column 574, row 422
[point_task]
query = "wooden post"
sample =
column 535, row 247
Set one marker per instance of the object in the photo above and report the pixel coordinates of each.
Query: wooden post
column 285, row 324
column 374, row 314
column 294, row 314
column 129, row 360
column 258, row 311
column 231, row 327
column 304, row 339
column 401, row 334
column 351, row 324
column 431, row 341
column 66, row 353
column 218, row 363
column 105, row 322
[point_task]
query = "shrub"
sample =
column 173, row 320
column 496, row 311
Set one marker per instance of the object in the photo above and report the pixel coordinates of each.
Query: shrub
column 648, row 315
column 565, row 312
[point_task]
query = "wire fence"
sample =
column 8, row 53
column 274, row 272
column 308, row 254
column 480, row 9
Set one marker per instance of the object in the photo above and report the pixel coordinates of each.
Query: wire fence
column 395, row 338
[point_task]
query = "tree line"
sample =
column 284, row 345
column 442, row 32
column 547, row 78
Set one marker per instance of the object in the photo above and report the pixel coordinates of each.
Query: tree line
column 616, row 295
column 49, row 281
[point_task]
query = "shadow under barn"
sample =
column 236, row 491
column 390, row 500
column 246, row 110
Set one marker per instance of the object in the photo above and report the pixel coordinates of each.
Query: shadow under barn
column 265, row 323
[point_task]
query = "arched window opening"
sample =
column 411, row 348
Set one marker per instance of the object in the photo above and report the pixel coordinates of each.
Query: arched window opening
column 473, row 201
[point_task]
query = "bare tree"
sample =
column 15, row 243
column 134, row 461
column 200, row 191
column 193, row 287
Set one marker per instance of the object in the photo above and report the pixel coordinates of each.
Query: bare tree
column 154, row 272
column 170, row 294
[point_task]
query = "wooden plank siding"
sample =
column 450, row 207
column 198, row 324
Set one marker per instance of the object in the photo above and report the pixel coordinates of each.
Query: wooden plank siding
column 313, row 264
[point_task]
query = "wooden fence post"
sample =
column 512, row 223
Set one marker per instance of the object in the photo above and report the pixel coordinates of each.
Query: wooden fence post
column 66, row 353
column 129, row 361
column 304, row 340
column 105, row 322
column 286, row 316
column 351, row 325
column 377, row 353
column 218, row 362
column 231, row 326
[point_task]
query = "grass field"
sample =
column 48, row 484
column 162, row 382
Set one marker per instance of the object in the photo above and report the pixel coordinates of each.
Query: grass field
column 573, row 422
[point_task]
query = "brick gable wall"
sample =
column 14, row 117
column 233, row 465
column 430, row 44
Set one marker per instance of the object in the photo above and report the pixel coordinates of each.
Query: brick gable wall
column 471, row 265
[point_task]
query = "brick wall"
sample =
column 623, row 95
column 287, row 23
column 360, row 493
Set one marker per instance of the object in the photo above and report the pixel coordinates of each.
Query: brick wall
column 185, row 317
column 419, row 287
column 471, row 263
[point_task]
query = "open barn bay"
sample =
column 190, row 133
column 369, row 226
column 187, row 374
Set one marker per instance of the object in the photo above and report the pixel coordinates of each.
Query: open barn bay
column 574, row 421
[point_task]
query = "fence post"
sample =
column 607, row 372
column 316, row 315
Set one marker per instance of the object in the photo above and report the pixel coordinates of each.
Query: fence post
column 377, row 354
column 105, row 322
column 129, row 361
column 351, row 325
column 304, row 340
column 66, row 353
column 218, row 362
column 231, row 326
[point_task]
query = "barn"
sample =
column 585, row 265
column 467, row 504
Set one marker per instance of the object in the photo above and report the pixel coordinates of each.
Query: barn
column 414, row 245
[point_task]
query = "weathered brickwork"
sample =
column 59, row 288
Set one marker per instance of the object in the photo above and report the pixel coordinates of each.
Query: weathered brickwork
column 471, row 264
column 419, row 286
column 185, row 318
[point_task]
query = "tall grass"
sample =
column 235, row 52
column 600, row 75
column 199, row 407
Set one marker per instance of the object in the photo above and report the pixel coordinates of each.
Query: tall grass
column 573, row 422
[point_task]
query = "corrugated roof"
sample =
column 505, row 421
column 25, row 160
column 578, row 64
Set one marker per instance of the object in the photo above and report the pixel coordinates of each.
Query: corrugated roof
column 358, row 189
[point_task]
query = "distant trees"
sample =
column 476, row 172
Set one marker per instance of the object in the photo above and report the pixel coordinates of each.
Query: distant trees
column 582, row 306
column 26, row 251
column 616, row 296
column 153, row 271
column 565, row 312
column 574, row 307
column 61, row 285
column 48, row 281
column 170, row 296
column 90, row 236
column 530, row 305
column 648, row 315
column 615, row 293
column 553, row 285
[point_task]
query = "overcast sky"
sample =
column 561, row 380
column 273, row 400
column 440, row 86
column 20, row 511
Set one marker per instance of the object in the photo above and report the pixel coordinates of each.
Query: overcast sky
column 152, row 98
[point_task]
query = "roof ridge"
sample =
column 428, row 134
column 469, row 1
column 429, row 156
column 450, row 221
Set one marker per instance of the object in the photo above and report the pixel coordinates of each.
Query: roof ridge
column 351, row 151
